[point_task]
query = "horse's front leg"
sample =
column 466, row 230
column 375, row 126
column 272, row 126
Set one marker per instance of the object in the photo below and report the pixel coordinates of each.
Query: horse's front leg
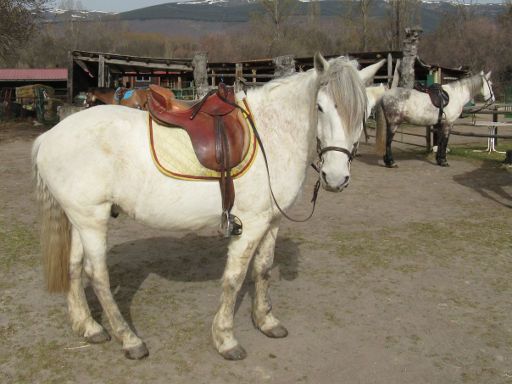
column 388, row 157
column 262, row 316
column 240, row 253
column 444, row 135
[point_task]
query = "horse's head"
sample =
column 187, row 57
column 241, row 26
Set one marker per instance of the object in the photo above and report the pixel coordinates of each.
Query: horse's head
column 486, row 90
column 90, row 99
column 341, row 107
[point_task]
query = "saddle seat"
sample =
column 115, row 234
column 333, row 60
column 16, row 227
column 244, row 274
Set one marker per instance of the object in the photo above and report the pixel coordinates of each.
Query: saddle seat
column 438, row 96
column 216, row 128
column 218, row 133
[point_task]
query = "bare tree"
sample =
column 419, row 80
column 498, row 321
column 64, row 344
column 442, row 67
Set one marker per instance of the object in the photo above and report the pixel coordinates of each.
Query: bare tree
column 17, row 22
column 364, row 6
column 278, row 11
column 402, row 14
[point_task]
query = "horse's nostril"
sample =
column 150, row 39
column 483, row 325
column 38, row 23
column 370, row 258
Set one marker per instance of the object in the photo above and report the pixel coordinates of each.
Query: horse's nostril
column 324, row 176
column 345, row 182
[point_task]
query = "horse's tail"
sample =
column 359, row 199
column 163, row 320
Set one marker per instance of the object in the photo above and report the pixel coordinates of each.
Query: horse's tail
column 55, row 232
column 381, row 131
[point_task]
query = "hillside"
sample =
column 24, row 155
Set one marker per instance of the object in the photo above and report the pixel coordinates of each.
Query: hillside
column 205, row 16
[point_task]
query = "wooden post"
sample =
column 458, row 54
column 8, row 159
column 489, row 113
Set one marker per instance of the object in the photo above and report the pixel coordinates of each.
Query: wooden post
column 239, row 75
column 390, row 69
column 71, row 64
column 199, row 63
column 410, row 50
column 101, row 71
column 253, row 75
column 284, row 65
column 213, row 78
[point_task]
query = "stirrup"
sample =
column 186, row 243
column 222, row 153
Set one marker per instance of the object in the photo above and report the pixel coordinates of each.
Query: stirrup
column 230, row 225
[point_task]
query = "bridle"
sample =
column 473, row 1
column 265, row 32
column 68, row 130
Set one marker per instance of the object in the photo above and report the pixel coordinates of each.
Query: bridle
column 491, row 93
column 487, row 102
column 320, row 151
column 350, row 154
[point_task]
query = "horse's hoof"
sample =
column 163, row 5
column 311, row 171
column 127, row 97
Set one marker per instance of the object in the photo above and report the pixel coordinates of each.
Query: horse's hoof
column 235, row 353
column 443, row 163
column 277, row 332
column 391, row 165
column 136, row 353
column 98, row 338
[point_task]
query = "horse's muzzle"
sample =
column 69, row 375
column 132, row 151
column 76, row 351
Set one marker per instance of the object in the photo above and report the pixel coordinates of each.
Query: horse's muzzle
column 334, row 188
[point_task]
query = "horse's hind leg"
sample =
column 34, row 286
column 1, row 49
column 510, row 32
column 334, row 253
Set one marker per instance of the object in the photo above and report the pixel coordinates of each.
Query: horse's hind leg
column 388, row 157
column 240, row 254
column 444, row 135
column 95, row 243
column 262, row 316
column 81, row 319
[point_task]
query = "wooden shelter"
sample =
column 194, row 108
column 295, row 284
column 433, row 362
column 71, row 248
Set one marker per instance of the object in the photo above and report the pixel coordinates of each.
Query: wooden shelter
column 96, row 69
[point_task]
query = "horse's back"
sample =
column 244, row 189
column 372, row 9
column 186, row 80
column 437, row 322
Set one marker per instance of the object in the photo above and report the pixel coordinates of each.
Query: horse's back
column 90, row 147
column 408, row 105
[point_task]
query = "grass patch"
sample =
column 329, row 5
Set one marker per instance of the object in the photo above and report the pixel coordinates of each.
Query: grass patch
column 405, row 248
column 18, row 244
column 467, row 151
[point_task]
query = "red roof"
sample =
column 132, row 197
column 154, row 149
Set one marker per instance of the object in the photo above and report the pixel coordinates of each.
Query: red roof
column 35, row 74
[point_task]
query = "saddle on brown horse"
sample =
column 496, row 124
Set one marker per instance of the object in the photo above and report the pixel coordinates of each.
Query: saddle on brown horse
column 438, row 96
column 217, row 131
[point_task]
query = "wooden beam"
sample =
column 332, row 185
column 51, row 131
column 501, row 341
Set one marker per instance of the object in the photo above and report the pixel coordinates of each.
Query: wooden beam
column 71, row 64
column 101, row 71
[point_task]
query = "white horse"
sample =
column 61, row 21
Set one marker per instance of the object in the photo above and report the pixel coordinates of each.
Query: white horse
column 100, row 157
column 400, row 105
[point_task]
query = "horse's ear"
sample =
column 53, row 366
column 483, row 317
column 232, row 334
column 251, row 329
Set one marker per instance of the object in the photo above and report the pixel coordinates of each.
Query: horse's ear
column 488, row 75
column 321, row 65
column 368, row 73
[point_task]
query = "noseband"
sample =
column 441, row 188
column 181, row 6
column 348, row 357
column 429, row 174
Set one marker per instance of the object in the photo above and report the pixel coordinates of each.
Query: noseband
column 350, row 154
column 321, row 151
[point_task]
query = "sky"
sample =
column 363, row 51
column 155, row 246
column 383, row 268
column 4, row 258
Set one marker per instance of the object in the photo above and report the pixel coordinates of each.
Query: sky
column 127, row 5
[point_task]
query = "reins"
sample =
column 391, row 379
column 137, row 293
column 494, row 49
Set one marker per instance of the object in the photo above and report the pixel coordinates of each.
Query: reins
column 316, row 189
column 487, row 103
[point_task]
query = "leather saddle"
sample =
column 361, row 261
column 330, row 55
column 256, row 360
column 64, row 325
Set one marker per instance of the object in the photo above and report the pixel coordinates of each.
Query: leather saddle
column 438, row 96
column 217, row 131
column 119, row 94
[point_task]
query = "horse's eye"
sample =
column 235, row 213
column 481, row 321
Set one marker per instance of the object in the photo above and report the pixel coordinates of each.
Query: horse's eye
column 320, row 108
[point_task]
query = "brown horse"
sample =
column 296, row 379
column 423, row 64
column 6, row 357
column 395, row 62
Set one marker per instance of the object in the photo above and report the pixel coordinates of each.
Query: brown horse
column 133, row 98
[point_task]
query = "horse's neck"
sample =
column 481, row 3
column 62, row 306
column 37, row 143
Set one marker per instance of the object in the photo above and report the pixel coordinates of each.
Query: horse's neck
column 463, row 89
column 285, row 118
column 105, row 98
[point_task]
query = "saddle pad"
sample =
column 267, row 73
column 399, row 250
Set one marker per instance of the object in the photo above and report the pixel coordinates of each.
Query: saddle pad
column 128, row 94
column 173, row 154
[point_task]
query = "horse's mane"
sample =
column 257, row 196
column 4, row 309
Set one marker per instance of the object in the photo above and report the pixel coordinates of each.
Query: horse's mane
column 347, row 91
column 101, row 90
column 474, row 83
column 295, row 76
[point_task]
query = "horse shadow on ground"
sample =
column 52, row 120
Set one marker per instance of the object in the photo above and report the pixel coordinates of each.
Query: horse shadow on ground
column 188, row 259
column 490, row 182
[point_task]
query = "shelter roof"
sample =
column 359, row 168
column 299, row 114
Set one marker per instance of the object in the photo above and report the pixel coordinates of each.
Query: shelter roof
column 34, row 74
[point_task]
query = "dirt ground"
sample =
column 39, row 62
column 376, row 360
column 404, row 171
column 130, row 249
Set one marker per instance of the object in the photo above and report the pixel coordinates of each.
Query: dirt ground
column 405, row 277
